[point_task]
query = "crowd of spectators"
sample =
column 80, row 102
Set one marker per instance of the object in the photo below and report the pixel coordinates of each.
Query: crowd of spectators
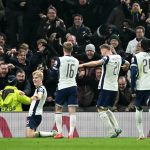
column 32, row 33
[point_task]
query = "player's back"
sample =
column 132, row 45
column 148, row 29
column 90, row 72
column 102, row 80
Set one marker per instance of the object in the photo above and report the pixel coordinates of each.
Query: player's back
column 143, row 64
column 67, row 72
column 110, row 73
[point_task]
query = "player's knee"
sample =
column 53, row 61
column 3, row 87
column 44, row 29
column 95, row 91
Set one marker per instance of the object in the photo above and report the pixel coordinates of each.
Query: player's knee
column 58, row 109
column 102, row 115
column 101, row 109
column 30, row 133
column 139, row 108
column 148, row 101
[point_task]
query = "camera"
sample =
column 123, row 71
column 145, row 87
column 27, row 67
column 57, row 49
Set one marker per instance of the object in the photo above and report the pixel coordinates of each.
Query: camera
column 105, row 31
column 86, row 37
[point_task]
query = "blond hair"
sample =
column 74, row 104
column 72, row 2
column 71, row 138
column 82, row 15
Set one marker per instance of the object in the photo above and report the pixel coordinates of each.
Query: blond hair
column 68, row 46
column 38, row 73
column 105, row 46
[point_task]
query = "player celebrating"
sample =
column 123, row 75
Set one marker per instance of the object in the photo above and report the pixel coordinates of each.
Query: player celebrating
column 140, row 77
column 36, row 108
column 67, row 66
column 108, row 86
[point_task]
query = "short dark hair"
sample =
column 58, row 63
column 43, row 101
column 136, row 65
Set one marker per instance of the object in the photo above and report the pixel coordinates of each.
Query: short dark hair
column 77, row 15
column 52, row 7
column 140, row 27
column 145, row 45
column 20, row 71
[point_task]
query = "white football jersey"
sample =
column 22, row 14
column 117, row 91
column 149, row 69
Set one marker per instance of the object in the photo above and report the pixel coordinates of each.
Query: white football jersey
column 142, row 62
column 36, row 107
column 110, row 72
column 68, row 68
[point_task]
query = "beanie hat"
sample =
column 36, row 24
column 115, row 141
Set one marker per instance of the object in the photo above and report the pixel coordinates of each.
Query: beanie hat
column 114, row 36
column 90, row 47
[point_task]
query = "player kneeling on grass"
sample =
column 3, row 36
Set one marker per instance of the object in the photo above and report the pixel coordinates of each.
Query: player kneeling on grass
column 36, row 108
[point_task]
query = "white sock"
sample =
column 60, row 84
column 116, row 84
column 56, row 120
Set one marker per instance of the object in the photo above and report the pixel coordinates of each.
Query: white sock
column 72, row 123
column 44, row 134
column 139, row 125
column 112, row 119
column 106, row 120
column 58, row 120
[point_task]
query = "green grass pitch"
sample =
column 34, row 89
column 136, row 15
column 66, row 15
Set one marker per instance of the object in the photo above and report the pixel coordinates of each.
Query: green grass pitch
column 74, row 144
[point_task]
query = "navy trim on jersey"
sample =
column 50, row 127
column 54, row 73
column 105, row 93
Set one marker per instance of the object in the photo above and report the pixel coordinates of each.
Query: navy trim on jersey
column 40, row 89
column 134, row 72
column 58, row 62
column 105, row 59
column 104, row 65
column 35, row 107
column 102, row 81
column 123, row 61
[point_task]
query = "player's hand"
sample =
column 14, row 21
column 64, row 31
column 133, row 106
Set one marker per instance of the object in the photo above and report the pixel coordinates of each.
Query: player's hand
column 21, row 93
column 10, row 66
column 81, row 66
column 49, row 99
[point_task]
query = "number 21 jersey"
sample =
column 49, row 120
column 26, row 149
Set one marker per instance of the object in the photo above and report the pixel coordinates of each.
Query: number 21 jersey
column 110, row 72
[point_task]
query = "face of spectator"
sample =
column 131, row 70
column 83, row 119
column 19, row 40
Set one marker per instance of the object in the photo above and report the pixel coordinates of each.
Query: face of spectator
column 4, row 70
column 1, row 62
column 139, row 33
column 125, row 24
column 51, row 14
column 114, row 43
column 122, row 84
column 72, row 39
column 40, row 47
column 21, row 57
column 98, row 73
column 2, row 41
column 82, row 2
column 52, row 62
column 78, row 21
column 135, row 7
column 90, row 54
column 20, row 77
column 126, row 1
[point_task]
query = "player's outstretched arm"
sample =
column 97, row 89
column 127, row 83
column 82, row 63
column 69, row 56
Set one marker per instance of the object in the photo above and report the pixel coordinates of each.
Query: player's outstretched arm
column 91, row 64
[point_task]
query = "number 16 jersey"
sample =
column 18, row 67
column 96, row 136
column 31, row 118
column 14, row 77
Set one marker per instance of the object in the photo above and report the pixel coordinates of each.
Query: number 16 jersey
column 68, row 68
